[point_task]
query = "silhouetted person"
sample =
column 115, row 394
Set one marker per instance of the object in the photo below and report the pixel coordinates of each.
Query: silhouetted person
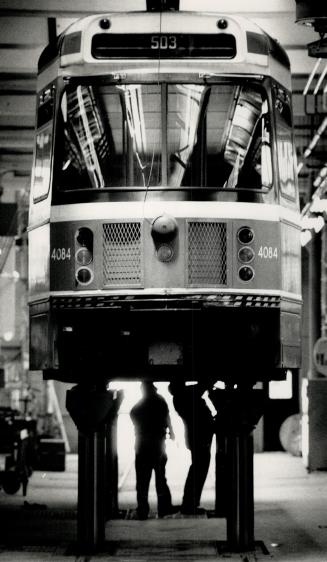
column 151, row 420
column 199, row 429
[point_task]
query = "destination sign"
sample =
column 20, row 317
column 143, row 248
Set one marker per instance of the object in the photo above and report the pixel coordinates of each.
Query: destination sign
column 181, row 45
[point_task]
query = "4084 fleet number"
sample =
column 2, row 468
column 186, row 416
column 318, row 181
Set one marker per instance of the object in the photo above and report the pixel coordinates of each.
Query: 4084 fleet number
column 268, row 252
column 61, row 254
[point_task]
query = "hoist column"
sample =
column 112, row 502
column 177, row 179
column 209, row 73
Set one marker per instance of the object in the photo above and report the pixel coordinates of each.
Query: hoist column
column 92, row 410
column 239, row 410
column 221, row 491
column 111, row 460
column 91, row 486
column 240, row 508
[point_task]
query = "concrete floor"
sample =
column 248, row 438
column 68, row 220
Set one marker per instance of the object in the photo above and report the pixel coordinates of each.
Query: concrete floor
column 290, row 518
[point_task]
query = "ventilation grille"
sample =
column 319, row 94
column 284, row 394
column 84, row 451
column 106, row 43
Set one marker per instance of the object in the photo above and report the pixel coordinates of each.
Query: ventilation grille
column 207, row 262
column 122, row 253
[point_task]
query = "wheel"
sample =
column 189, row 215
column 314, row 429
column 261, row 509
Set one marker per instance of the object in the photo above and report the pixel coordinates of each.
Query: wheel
column 11, row 483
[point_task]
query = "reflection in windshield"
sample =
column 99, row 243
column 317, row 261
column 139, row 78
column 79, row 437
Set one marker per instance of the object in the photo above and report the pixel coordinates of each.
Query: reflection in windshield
column 135, row 121
column 86, row 141
column 169, row 135
column 184, row 113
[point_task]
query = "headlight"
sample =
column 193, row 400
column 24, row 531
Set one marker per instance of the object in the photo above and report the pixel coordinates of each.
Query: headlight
column 245, row 235
column 84, row 275
column 246, row 273
column 246, row 254
column 165, row 253
column 84, row 256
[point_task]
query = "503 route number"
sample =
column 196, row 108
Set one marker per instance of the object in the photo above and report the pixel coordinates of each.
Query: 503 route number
column 61, row 254
column 163, row 42
column 268, row 252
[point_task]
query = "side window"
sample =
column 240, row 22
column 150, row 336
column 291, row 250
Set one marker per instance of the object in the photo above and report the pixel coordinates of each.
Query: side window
column 43, row 145
column 285, row 150
column 41, row 172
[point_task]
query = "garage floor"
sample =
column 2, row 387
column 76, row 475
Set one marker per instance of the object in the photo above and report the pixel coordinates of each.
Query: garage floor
column 290, row 518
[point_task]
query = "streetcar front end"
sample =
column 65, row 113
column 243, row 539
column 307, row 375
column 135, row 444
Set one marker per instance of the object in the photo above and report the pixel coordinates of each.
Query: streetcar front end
column 164, row 231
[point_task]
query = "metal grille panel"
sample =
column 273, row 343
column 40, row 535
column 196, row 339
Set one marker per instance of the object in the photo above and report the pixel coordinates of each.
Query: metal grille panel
column 122, row 254
column 207, row 253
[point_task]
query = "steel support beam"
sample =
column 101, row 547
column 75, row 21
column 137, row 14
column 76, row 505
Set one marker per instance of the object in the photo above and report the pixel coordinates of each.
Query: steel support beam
column 61, row 8
column 78, row 8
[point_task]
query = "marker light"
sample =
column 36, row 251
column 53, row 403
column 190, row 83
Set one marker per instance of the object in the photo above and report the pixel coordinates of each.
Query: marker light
column 222, row 24
column 84, row 275
column 84, row 256
column 104, row 23
column 165, row 253
column 84, row 237
column 246, row 273
column 246, row 254
column 245, row 235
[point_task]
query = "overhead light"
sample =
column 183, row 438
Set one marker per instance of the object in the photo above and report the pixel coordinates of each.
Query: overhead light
column 318, row 206
column 306, row 223
column 306, row 237
column 8, row 336
column 319, row 224
column 315, row 138
column 313, row 72
column 320, row 81
column 321, row 176
column 313, row 223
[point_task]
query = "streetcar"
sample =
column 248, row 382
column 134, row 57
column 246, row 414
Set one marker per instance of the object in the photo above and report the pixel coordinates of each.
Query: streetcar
column 164, row 227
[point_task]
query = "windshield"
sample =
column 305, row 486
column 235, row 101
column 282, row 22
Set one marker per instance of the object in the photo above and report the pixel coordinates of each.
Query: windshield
column 172, row 136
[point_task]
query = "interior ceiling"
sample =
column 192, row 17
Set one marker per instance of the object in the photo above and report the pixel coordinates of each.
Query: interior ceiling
column 27, row 25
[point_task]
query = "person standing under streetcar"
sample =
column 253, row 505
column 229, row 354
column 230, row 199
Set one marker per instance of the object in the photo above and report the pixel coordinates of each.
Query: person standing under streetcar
column 151, row 420
column 199, row 430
